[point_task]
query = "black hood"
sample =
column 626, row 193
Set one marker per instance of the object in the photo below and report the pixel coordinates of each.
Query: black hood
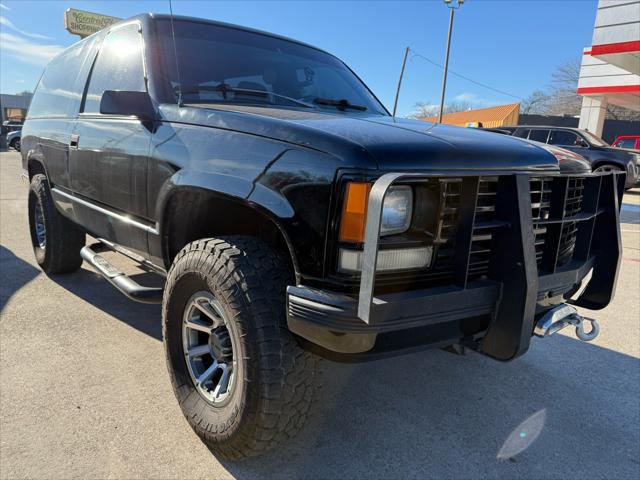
column 392, row 143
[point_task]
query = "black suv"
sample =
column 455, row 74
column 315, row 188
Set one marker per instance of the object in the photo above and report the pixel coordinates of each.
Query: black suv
column 294, row 218
column 601, row 156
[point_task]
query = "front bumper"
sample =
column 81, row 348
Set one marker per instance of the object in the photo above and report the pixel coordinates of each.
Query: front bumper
column 517, row 287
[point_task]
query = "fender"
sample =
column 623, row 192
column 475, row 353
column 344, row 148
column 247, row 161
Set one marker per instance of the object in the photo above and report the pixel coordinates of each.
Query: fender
column 282, row 192
column 269, row 205
column 609, row 161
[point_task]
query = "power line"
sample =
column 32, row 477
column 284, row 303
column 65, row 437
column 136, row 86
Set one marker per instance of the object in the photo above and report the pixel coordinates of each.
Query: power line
column 416, row 54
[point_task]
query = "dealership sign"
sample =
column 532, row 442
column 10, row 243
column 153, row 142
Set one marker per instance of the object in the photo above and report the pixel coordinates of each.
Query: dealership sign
column 84, row 23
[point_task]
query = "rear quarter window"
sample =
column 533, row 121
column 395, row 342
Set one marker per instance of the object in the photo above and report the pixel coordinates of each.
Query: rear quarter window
column 539, row 135
column 58, row 94
column 521, row 133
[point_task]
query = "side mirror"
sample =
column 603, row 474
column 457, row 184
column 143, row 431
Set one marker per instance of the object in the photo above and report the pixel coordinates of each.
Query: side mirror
column 121, row 102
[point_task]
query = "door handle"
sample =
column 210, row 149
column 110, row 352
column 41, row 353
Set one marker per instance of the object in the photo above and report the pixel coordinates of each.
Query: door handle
column 73, row 143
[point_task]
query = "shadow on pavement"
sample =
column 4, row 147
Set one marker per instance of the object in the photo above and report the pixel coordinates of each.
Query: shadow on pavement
column 436, row 415
column 92, row 288
column 15, row 273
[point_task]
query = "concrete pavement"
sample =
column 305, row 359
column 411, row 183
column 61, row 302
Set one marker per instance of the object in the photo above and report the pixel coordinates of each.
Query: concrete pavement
column 84, row 391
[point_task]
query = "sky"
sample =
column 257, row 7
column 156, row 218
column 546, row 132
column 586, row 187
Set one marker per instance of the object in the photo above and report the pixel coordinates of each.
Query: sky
column 510, row 45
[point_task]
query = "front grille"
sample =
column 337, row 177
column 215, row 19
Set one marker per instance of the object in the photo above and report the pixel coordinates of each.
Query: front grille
column 572, row 207
column 540, row 204
column 442, row 265
column 484, row 225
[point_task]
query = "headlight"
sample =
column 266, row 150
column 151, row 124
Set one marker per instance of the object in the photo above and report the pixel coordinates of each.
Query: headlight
column 396, row 210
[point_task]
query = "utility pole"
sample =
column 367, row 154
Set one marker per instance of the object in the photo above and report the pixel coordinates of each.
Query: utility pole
column 404, row 64
column 452, row 8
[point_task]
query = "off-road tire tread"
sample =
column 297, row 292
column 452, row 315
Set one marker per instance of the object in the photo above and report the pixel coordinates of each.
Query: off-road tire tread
column 64, row 238
column 253, row 278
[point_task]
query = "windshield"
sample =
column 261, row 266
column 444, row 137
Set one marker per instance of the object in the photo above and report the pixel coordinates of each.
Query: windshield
column 594, row 139
column 227, row 65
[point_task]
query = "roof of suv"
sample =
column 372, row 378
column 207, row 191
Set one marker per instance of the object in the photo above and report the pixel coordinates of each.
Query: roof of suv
column 150, row 17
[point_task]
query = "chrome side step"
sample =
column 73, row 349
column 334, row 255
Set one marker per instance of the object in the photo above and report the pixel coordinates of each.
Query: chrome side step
column 562, row 316
column 119, row 279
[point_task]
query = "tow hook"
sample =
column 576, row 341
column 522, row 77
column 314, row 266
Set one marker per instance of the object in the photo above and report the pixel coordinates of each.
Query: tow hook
column 562, row 316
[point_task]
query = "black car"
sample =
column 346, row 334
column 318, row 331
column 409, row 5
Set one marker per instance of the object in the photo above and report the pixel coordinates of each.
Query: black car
column 601, row 156
column 293, row 218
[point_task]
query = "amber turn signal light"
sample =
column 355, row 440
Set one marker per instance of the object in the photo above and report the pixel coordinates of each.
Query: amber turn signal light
column 354, row 212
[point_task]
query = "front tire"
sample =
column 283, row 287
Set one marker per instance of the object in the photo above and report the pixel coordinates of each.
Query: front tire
column 606, row 168
column 241, row 379
column 56, row 240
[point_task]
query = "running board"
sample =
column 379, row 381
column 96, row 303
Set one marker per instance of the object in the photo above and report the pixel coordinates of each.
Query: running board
column 119, row 279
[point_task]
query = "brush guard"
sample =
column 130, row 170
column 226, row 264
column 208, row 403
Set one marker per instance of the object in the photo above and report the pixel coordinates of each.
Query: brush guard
column 515, row 288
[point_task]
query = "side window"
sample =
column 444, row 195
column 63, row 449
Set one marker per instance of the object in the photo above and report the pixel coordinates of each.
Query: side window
column 55, row 95
column 563, row 137
column 119, row 66
column 539, row 135
column 627, row 143
column 521, row 133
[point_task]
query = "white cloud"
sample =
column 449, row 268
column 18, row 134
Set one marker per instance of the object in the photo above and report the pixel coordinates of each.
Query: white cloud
column 466, row 97
column 9, row 24
column 28, row 51
column 4, row 7
column 475, row 100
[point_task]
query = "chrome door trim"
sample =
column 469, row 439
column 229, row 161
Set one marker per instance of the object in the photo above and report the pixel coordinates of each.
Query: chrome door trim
column 118, row 216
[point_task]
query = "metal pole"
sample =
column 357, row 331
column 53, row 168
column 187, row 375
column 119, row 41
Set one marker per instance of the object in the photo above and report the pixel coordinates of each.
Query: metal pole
column 446, row 66
column 404, row 63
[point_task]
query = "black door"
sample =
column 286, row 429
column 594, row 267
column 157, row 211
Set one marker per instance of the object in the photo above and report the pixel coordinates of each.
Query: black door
column 109, row 153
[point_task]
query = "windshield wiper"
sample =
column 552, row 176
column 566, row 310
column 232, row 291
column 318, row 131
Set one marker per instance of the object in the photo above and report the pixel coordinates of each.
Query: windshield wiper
column 225, row 88
column 342, row 104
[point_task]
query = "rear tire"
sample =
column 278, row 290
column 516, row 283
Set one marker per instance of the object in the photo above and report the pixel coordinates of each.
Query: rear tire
column 241, row 282
column 56, row 240
column 15, row 144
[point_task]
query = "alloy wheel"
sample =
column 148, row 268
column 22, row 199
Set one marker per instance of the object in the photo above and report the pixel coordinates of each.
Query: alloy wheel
column 209, row 348
column 41, row 230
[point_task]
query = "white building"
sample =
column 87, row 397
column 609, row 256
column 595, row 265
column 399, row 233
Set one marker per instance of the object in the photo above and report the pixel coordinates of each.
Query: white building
column 610, row 71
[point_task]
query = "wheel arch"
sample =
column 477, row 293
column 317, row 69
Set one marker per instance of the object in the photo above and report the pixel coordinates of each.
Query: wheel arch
column 36, row 166
column 188, row 213
column 601, row 162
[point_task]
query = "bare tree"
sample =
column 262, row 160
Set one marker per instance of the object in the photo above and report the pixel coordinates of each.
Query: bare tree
column 428, row 109
column 424, row 110
column 567, row 75
column 535, row 104
column 561, row 98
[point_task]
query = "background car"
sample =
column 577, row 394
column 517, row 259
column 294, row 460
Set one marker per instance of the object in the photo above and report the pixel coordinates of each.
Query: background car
column 627, row 141
column 13, row 139
column 601, row 156
column 11, row 125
